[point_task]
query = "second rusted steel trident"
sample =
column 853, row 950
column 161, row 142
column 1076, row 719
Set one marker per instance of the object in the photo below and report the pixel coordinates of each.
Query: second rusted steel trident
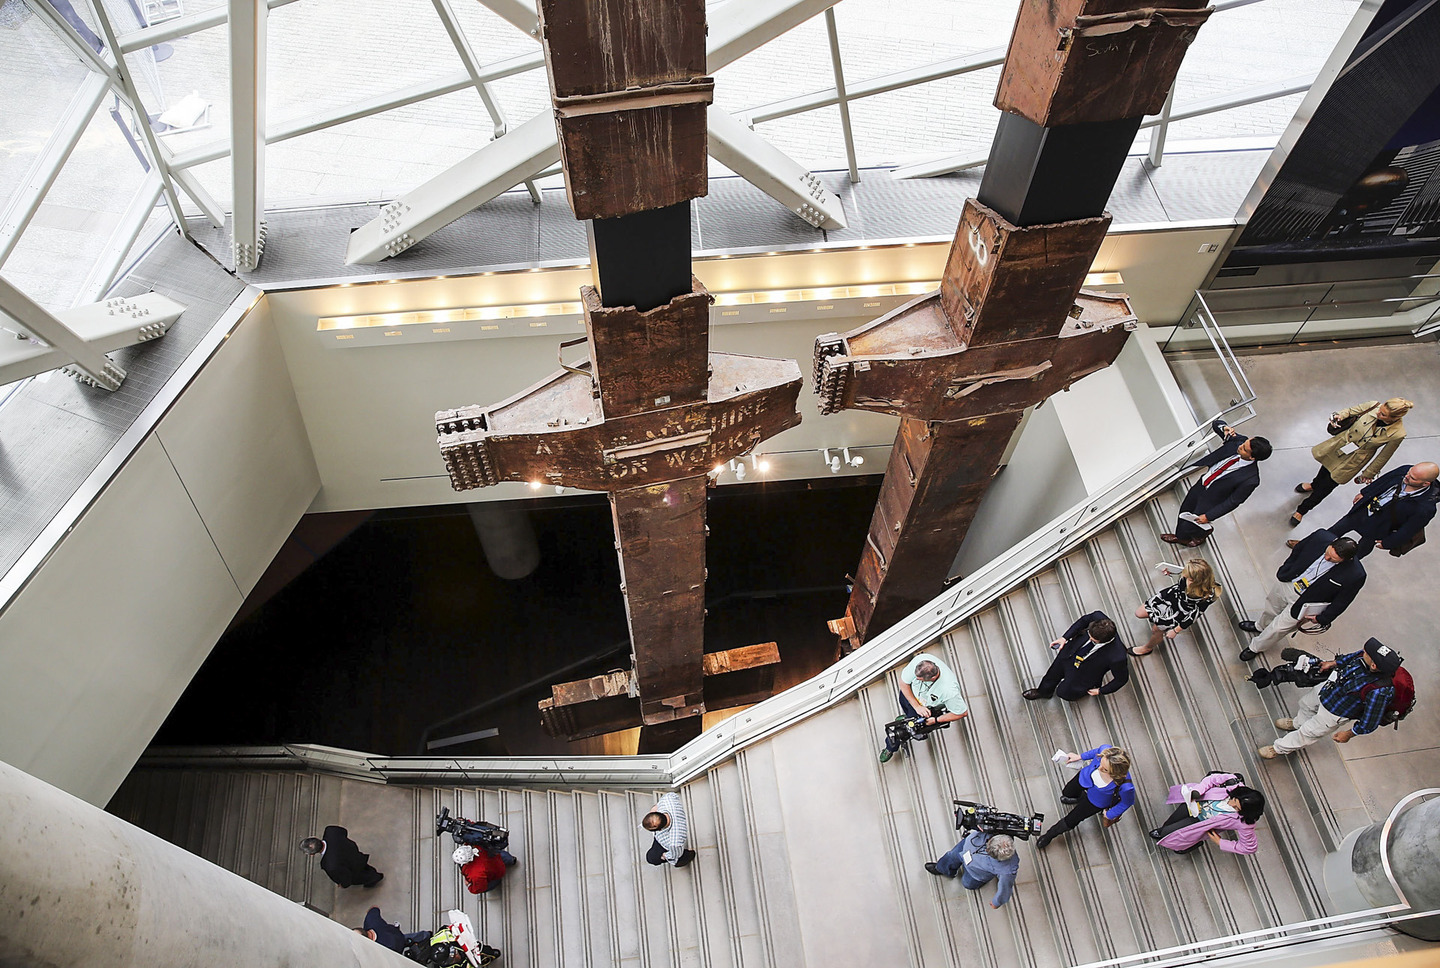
column 1009, row 325
column 652, row 411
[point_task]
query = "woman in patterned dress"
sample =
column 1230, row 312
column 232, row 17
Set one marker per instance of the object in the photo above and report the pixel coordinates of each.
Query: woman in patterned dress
column 1171, row 609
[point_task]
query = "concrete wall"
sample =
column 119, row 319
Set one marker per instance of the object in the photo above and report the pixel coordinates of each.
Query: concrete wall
column 109, row 630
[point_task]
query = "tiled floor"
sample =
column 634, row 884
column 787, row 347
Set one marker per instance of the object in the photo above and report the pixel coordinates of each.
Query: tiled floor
column 1298, row 390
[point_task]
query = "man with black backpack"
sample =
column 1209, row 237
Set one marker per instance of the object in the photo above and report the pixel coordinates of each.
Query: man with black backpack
column 1364, row 691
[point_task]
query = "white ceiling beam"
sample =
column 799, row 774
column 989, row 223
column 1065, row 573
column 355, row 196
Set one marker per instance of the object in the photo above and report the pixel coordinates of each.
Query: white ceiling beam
column 741, row 26
column 1268, row 91
column 137, row 109
column 78, row 339
column 520, row 14
column 472, row 65
column 435, row 87
column 501, row 165
column 180, row 27
column 47, row 164
column 248, row 21
column 107, row 267
column 100, row 63
column 883, row 84
column 208, row 206
column 772, row 171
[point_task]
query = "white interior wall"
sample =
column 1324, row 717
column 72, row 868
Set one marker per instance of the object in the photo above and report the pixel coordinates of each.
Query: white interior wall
column 370, row 410
column 1076, row 443
column 107, row 633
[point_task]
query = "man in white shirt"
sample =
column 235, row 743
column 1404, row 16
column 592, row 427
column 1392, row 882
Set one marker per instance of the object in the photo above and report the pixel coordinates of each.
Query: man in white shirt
column 1314, row 585
column 666, row 820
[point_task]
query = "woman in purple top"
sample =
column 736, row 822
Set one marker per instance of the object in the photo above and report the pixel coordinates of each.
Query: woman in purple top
column 1224, row 803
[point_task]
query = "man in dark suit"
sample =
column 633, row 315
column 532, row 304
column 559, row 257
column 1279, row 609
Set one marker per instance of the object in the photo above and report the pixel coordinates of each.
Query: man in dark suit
column 1391, row 509
column 1232, row 472
column 379, row 930
column 1312, row 587
column 1088, row 649
column 341, row 859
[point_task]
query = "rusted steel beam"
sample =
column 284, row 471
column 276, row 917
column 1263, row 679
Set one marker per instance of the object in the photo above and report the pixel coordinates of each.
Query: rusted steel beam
column 909, row 362
column 661, row 532
column 937, row 475
column 636, row 354
column 1004, row 283
column 628, row 83
column 609, row 702
column 555, row 433
column 1009, row 326
column 1086, row 61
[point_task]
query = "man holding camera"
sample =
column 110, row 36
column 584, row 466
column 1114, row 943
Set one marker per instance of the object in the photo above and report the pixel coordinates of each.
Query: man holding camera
column 980, row 858
column 1087, row 651
column 929, row 699
column 1350, row 703
column 1315, row 584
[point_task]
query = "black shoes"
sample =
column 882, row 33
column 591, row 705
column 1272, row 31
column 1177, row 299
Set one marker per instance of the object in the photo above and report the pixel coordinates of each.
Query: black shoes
column 1246, row 655
column 1249, row 626
column 1044, row 840
column 1034, row 694
column 934, row 869
column 1069, row 800
column 1155, row 834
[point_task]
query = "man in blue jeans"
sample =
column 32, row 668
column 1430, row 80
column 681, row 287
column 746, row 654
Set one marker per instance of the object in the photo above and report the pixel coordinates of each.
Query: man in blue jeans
column 979, row 859
column 927, row 684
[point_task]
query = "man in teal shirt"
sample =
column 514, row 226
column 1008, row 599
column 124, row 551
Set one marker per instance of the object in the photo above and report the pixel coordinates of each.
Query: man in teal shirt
column 929, row 691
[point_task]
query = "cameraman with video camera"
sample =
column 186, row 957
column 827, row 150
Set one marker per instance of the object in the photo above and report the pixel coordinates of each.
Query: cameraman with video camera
column 930, row 699
column 980, row 858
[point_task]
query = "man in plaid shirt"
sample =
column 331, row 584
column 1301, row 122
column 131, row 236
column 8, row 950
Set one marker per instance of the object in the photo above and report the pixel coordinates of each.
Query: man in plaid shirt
column 666, row 820
column 1342, row 704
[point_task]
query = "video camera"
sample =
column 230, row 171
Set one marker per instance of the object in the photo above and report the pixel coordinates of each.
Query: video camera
column 1301, row 668
column 988, row 820
column 477, row 833
column 906, row 728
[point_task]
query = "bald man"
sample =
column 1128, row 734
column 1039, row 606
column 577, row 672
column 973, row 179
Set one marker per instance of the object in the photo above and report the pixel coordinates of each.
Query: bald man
column 1390, row 510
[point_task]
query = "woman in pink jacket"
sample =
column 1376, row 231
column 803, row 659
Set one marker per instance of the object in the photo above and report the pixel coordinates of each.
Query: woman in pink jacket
column 1223, row 803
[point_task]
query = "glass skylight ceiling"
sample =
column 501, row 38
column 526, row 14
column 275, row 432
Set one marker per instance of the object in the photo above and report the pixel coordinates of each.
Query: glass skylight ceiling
column 324, row 55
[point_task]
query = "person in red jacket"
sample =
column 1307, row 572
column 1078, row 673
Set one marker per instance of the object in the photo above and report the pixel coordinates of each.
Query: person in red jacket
column 482, row 870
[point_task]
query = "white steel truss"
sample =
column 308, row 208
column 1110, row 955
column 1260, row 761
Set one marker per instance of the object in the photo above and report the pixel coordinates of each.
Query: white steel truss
column 43, row 171
column 247, row 130
column 1253, row 95
column 79, row 338
column 737, row 28
column 106, row 268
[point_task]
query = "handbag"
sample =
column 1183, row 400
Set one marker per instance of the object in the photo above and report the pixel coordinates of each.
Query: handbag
column 1340, row 426
column 1414, row 541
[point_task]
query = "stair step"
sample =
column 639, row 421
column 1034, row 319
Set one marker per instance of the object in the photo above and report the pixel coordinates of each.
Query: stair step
column 659, row 937
column 624, row 874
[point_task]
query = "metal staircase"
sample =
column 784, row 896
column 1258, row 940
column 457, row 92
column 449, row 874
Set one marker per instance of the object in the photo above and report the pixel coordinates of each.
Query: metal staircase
column 810, row 848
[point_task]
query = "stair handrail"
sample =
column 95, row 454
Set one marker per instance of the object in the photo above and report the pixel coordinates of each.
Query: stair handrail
column 845, row 678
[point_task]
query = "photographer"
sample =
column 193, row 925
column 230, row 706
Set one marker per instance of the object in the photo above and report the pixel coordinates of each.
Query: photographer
column 929, row 697
column 980, row 858
column 1351, row 702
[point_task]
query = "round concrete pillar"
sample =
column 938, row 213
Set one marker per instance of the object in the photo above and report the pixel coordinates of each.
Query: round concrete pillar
column 507, row 538
column 78, row 886
column 1414, row 853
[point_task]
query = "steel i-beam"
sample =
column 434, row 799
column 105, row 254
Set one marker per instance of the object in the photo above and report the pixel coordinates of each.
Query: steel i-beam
column 1009, row 325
